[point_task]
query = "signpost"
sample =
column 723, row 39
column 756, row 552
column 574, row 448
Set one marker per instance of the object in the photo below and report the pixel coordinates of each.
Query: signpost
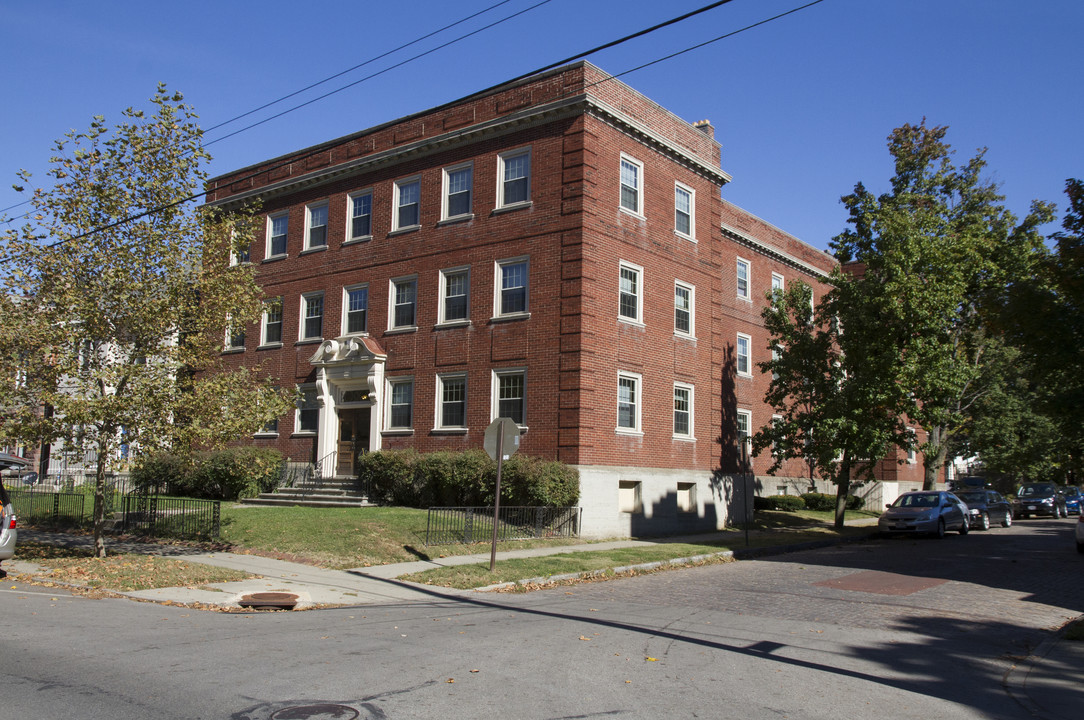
column 501, row 442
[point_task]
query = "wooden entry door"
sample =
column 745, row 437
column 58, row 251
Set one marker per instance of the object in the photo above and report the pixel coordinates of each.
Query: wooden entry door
column 353, row 439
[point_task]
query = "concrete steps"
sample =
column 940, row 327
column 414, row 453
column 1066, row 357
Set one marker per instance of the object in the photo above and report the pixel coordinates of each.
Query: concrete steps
column 330, row 492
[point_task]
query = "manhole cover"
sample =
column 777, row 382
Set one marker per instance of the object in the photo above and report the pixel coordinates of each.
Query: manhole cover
column 323, row 711
column 270, row 601
column 882, row 583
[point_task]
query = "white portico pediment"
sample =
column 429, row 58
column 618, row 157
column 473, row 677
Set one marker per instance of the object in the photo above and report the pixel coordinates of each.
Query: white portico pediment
column 348, row 349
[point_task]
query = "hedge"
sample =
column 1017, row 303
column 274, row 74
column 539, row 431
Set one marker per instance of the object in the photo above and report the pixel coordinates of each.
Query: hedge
column 457, row 479
column 229, row 474
column 787, row 503
column 824, row 501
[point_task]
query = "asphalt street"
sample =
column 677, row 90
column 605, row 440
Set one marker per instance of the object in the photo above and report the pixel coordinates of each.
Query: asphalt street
column 896, row 628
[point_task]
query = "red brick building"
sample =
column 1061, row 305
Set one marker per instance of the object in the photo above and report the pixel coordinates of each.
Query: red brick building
column 553, row 250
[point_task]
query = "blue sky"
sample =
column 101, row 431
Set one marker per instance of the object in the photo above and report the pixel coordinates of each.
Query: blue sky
column 802, row 105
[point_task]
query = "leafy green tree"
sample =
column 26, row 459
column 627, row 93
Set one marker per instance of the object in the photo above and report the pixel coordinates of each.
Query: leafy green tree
column 940, row 252
column 117, row 296
column 832, row 386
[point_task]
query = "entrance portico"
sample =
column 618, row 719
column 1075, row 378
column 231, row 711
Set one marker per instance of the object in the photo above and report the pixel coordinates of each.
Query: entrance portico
column 349, row 378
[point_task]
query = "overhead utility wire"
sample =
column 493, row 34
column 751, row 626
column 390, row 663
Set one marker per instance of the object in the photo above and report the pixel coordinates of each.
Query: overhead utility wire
column 535, row 72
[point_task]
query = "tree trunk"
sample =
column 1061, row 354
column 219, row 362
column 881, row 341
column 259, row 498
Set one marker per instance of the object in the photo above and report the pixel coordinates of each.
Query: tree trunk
column 99, row 495
column 843, row 489
column 932, row 464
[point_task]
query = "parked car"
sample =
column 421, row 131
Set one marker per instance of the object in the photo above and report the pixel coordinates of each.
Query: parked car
column 1073, row 497
column 9, row 464
column 1038, row 499
column 928, row 511
column 986, row 507
column 1080, row 533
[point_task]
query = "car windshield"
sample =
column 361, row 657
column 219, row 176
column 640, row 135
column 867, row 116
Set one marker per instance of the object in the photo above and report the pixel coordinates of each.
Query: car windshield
column 972, row 497
column 917, row 500
column 1036, row 491
column 1069, row 492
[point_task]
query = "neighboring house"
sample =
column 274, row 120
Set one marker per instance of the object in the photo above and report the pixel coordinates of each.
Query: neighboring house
column 553, row 250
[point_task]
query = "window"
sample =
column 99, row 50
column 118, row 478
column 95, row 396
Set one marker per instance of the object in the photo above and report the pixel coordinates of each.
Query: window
column 777, row 453
column 407, row 201
column 631, row 177
column 235, row 335
column 401, row 403
column 629, row 496
column 509, row 393
column 630, row 293
column 686, row 497
column 355, row 309
column 272, row 322
column 361, row 216
column 743, row 279
column 307, row 420
column 312, row 316
column 745, row 421
column 277, row 227
column 404, row 294
column 457, row 191
column 239, row 250
column 744, row 366
column 684, row 296
column 777, row 282
column 513, row 178
column 912, row 439
column 683, row 211
column 683, row 410
column 628, row 402
column 452, row 407
column 776, row 356
column 454, row 291
column 316, row 229
column 511, row 281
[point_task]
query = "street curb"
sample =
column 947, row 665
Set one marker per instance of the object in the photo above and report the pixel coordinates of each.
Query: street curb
column 1015, row 678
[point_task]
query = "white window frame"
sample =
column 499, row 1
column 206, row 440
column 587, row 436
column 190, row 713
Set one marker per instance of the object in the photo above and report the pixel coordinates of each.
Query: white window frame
column 353, row 198
column 302, row 336
column 393, row 285
column 748, row 372
column 685, row 387
column 306, row 390
column 778, row 282
column 438, row 420
column 228, row 343
column 390, row 383
column 748, row 417
column 310, row 210
column 443, row 296
column 691, row 332
column 264, row 342
column 445, row 192
column 495, row 392
column 748, row 292
column 691, row 234
column 498, row 288
column 637, row 402
column 345, row 320
column 639, row 189
column 397, row 188
column 912, row 452
column 271, row 218
column 624, row 267
column 239, row 257
column 776, row 419
column 502, row 160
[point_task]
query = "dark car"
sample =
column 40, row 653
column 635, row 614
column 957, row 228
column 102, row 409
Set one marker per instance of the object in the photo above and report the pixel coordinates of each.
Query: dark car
column 1073, row 497
column 986, row 507
column 1038, row 499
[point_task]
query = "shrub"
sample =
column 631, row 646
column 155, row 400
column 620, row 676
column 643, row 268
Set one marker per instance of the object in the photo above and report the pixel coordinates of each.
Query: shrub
column 162, row 471
column 819, row 501
column 787, row 503
column 389, row 474
column 855, row 503
column 235, row 473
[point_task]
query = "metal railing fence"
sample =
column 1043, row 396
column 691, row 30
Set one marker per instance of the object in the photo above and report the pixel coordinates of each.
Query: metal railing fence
column 171, row 517
column 49, row 508
column 447, row 525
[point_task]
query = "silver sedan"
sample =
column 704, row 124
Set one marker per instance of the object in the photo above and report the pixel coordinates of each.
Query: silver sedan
column 928, row 511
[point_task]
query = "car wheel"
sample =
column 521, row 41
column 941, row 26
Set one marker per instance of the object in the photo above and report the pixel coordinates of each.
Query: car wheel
column 984, row 521
column 965, row 526
column 1057, row 512
column 1007, row 522
column 941, row 528
column 1080, row 548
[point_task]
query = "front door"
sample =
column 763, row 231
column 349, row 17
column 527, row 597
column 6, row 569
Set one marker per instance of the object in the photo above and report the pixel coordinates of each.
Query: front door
column 353, row 439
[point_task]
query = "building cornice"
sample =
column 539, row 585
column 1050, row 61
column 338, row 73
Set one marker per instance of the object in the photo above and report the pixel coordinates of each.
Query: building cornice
column 775, row 253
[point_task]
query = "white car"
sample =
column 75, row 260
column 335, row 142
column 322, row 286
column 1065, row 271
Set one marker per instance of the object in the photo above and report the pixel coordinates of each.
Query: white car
column 8, row 534
column 1080, row 533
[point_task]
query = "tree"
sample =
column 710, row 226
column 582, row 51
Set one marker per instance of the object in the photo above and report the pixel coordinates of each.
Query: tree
column 117, row 296
column 941, row 252
column 832, row 386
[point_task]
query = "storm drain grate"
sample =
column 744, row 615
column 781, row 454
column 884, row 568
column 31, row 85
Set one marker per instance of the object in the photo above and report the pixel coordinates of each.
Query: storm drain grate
column 268, row 601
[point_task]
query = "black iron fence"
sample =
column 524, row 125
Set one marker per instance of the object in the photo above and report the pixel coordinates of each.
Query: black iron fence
column 49, row 508
column 446, row 525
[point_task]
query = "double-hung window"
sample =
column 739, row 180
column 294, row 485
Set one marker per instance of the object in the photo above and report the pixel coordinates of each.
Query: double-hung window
column 407, row 201
column 630, row 293
column 632, row 173
column 235, row 334
column 509, row 394
column 355, row 309
column 628, row 402
column 743, row 279
column 400, row 404
column 457, row 191
column 361, row 215
column 777, row 283
column 278, row 226
column 745, row 367
column 683, row 410
column 404, row 303
column 454, row 291
column 744, row 423
column 452, row 408
column 684, row 299
column 316, row 229
column 271, row 332
column 312, row 316
column 513, row 177
column 307, row 418
column 512, row 287
column 683, row 211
